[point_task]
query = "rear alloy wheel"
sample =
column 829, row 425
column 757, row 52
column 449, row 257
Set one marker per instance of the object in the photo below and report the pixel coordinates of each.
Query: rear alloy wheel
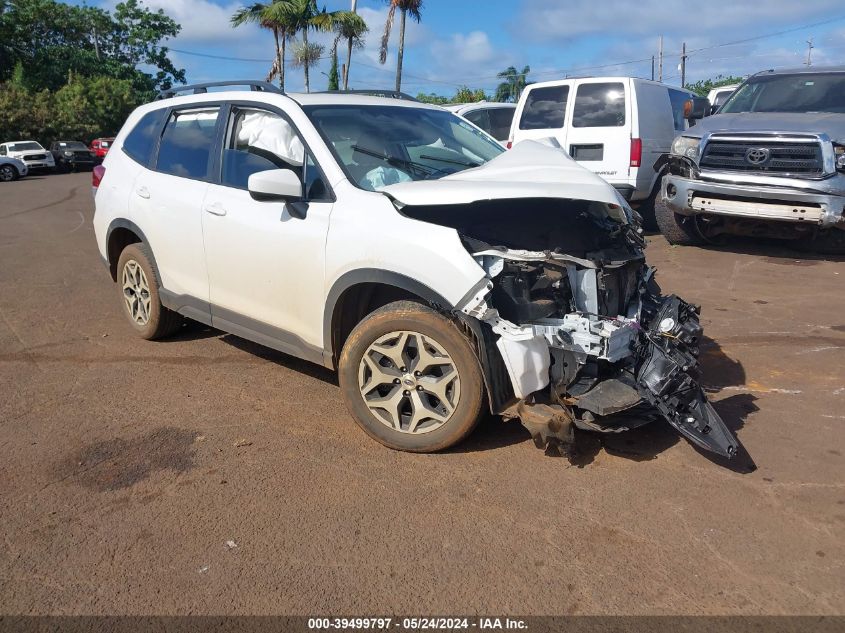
column 411, row 378
column 138, row 285
column 8, row 173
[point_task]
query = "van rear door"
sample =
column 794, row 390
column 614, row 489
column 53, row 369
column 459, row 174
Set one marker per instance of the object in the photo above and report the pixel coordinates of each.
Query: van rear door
column 542, row 113
column 599, row 135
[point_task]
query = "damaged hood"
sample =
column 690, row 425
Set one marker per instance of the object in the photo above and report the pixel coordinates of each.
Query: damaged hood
column 529, row 170
column 832, row 124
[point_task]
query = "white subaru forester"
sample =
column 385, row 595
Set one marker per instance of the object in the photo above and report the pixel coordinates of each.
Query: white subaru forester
column 397, row 243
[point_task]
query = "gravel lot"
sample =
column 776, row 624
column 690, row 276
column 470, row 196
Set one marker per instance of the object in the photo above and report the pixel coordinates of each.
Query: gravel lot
column 206, row 474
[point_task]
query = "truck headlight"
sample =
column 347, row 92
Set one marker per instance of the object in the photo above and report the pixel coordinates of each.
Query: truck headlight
column 686, row 146
column 68, row 153
column 839, row 156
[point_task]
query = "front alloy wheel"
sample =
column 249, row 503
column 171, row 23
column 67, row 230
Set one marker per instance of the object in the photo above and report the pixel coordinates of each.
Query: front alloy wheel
column 7, row 173
column 411, row 378
column 409, row 382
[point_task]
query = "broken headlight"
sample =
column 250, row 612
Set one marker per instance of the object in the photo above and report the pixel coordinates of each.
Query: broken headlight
column 686, row 146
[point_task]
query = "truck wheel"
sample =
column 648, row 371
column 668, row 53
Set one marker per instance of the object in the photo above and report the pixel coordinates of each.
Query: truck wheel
column 8, row 173
column 138, row 285
column 677, row 229
column 411, row 379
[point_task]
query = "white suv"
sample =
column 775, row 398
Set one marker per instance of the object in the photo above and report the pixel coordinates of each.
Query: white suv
column 395, row 242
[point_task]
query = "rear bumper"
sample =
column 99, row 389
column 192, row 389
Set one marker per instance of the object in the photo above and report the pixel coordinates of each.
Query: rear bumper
column 691, row 197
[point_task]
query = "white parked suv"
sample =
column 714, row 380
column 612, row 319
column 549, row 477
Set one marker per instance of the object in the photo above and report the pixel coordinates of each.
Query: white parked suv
column 493, row 117
column 620, row 128
column 391, row 240
column 29, row 152
column 12, row 169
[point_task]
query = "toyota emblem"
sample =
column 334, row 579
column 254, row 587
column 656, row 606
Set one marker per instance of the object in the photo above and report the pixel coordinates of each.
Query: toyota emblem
column 757, row 155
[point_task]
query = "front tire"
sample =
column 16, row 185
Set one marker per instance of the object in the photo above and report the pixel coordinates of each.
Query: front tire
column 411, row 378
column 677, row 229
column 8, row 173
column 138, row 284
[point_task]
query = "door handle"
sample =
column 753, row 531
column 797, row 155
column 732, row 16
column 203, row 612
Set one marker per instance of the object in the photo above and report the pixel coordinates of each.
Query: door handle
column 143, row 192
column 215, row 209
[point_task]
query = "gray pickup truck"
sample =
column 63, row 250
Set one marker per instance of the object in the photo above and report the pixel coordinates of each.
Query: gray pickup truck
column 769, row 163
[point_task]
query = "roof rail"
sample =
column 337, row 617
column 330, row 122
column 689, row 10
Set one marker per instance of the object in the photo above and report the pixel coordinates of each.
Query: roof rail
column 374, row 92
column 197, row 89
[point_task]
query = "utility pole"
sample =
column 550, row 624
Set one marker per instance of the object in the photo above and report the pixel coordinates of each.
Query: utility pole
column 660, row 61
column 683, row 64
column 652, row 67
column 809, row 52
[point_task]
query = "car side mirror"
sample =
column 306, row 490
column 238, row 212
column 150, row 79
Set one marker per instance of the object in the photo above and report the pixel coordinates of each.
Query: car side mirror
column 696, row 108
column 275, row 185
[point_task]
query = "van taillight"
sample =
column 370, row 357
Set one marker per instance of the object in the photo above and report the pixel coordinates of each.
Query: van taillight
column 97, row 175
column 509, row 144
column 636, row 152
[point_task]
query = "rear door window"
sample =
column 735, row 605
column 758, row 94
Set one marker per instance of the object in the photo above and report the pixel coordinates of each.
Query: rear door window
column 545, row 108
column 479, row 118
column 500, row 122
column 187, row 143
column 140, row 143
column 599, row 105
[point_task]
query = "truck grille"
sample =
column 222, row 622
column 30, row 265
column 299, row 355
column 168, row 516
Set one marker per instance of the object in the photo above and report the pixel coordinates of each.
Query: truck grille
column 35, row 157
column 769, row 157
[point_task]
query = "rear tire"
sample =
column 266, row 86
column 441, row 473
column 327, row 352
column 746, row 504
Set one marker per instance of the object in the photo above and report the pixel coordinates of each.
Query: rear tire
column 427, row 399
column 647, row 210
column 677, row 229
column 138, row 283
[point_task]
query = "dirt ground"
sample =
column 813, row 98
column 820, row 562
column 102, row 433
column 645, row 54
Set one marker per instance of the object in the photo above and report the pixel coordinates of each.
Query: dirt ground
column 209, row 475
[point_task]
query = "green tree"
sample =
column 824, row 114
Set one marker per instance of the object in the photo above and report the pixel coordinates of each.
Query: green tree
column 431, row 97
column 406, row 7
column 334, row 75
column 704, row 86
column 272, row 16
column 51, row 39
column 468, row 95
column 514, row 84
column 351, row 27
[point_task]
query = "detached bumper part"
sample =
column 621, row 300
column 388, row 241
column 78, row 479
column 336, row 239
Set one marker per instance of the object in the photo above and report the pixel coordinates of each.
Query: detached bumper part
column 667, row 377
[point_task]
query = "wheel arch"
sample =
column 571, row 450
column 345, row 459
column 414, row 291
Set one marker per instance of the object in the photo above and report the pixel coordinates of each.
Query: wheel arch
column 121, row 233
column 359, row 292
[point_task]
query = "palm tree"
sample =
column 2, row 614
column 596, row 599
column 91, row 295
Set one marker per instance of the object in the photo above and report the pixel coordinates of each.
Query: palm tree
column 269, row 16
column 303, row 16
column 405, row 6
column 351, row 27
column 514, row 84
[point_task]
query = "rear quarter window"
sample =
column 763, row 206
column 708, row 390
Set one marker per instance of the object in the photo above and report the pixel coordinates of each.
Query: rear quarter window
column 140, row 143
column 599, row 105
column 545, row 108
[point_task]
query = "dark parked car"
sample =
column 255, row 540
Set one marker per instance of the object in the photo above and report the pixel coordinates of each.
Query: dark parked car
column 72, row 155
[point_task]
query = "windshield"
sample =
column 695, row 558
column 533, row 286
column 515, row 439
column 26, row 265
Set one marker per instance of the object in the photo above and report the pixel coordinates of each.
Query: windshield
column 71, row 145
column 804, row 92
column 382, row 145
column 23, row 147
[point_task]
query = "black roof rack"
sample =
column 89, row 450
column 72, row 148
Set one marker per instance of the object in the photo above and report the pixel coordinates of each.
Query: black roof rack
column 375, row 92
column 198, row 89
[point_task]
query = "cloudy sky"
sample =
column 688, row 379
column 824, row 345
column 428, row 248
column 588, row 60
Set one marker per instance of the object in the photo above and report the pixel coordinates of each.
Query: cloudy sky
column 466, row 42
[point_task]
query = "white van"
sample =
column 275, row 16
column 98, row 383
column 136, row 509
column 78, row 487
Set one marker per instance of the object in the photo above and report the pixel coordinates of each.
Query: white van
column 621, row 128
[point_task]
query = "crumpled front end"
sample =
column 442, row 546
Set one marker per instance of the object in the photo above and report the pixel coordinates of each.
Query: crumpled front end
column 582, row 329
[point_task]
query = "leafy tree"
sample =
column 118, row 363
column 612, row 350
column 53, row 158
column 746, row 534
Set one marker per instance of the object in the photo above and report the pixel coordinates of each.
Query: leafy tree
column 83, row 109
column 468, row 95
column 51, row 39
column 704, row 86
column 351, row 27
column 431, row 97
column 514, row 84
column 272, row 16
column 412, row 7
column 334, row 78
